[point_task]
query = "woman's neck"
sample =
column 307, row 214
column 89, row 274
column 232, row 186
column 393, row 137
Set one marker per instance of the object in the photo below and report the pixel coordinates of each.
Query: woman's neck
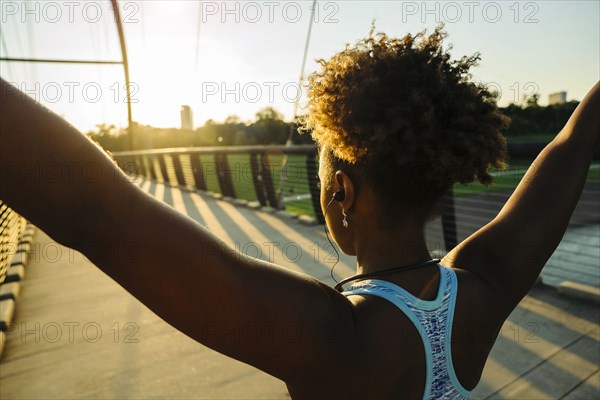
column 377, row 250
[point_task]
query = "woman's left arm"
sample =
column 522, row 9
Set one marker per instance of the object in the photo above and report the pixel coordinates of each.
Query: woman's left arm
column 58, row 179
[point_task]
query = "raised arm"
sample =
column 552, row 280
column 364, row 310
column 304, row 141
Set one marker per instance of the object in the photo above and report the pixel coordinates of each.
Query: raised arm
column 57, row 178
column 510, row 251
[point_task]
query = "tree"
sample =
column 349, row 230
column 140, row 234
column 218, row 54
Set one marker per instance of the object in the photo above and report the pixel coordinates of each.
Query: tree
column 233, row 120
column 268, row 113
column 532, row 118
column 531, row 101
column 109, row 137
column 269, row 127
column 104, row 130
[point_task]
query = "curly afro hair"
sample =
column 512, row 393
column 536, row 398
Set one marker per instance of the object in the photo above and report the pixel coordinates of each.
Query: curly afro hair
column 400, row 114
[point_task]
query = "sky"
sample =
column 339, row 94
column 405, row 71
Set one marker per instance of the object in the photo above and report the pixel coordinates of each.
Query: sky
column 236, row 57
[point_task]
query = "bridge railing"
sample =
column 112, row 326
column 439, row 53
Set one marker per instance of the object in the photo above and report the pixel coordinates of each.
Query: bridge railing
column 247, row 173
column 12, row 227
column 254, row 173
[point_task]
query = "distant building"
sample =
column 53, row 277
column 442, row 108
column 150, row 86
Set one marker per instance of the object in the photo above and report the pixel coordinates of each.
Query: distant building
column 187, row 121
column 557, row 98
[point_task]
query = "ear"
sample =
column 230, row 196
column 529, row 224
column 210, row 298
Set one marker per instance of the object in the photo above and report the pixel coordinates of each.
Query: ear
column 344, row 182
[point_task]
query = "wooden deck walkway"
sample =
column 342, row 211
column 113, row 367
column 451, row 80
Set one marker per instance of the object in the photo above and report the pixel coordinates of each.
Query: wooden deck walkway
column 78, row 335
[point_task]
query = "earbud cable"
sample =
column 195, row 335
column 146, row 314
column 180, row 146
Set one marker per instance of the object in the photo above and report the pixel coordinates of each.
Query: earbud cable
column 339, row 284
column 330, row 242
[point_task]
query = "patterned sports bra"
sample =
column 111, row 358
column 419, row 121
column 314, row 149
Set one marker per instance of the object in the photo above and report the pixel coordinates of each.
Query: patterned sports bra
column 433, row 320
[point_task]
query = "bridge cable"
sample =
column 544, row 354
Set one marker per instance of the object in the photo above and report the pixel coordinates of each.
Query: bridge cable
column 295, row 117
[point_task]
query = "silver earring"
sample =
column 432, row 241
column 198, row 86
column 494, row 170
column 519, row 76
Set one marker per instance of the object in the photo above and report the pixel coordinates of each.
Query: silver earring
column 344, row 221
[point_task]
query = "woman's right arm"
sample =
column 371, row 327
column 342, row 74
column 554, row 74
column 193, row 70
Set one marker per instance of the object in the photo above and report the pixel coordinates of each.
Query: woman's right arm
column 280, row 321
column 509, row 252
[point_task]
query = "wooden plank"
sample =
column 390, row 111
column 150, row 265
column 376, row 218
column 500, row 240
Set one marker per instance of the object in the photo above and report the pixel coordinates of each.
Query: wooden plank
column 42, row 360
column 538, row 329
column 557, row 375
column 588, row 389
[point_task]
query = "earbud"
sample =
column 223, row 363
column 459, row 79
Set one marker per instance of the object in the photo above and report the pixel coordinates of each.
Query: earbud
column 339, row 195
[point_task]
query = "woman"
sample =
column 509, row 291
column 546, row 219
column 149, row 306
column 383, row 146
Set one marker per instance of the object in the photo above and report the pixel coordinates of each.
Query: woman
column 397, row 123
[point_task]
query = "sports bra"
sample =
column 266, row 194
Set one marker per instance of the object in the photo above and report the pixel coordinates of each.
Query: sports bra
column 433, row 320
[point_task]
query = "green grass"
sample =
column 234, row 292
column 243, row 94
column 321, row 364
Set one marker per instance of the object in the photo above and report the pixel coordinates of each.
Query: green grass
column 502, row 181
column 243, row 179
column 296, row 182
column 301, row 208
column 210, row 173
column 297, row 179
column 242, row 176
column 594, row 172
column 509, row 179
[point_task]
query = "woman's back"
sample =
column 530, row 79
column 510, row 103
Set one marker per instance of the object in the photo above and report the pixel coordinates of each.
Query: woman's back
column 391, row 360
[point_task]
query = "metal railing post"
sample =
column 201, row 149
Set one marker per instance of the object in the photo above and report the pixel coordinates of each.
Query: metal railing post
column 163, row 169
column 178, row 170
column 312, row 170
column 197, row 172
column 224, row 175
column 257, row 179
column 150, row 160
column 267, row 180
